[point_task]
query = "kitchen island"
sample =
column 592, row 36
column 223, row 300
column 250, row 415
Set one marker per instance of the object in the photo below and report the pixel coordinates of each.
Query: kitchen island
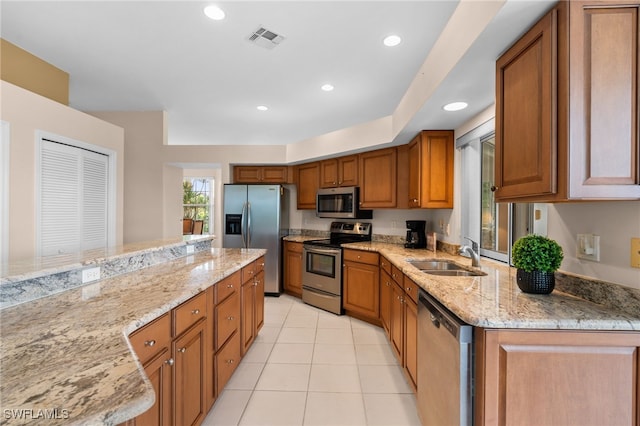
column 67, row 357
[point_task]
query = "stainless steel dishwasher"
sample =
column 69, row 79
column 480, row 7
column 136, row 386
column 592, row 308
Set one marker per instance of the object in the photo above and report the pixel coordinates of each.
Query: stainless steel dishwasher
column 445, row 366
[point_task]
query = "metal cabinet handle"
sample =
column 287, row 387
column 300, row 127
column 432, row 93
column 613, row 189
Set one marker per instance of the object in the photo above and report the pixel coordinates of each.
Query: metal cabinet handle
column 229, row 361
column 230, row 318
column 195, row 311
column 170, row 361
column 150, row 343
column 229, row 285
column 182, row 350
column 408, row 288
column 494, row 188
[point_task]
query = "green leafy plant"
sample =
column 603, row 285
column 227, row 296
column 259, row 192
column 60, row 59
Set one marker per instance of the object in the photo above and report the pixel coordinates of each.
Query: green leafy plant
column 536, row 253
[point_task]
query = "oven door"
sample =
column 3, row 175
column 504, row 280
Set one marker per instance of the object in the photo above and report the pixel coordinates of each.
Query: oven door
column 322, row 269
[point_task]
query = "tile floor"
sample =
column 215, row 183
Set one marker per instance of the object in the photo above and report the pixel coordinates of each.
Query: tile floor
column 310, row 367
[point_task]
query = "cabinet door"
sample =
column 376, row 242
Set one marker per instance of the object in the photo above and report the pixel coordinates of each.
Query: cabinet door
column 293, row 268
column 411, row 340
column 226, row 361
column 348, row 170
column 189, row 378
column 436, row 169
column 386, row 293
column 246, row 174
column 378, row 178
column 528, row 374
column 158, row 370
column 414, row 172
column 526, row 124
column 603, row 82
column 308, row 183
column 273, row 174
column 397, row 322
column 329, row 173
column 258, row 318
column 247, row 306
column 361, row 286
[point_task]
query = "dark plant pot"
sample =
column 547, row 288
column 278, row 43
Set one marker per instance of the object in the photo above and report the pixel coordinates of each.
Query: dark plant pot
column 536, row 282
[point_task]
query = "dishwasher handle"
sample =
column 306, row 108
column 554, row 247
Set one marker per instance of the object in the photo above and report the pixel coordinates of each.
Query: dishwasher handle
column 440, row 316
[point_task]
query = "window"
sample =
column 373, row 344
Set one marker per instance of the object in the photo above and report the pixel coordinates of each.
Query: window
column 495, row 226
column 74, row 198
column 197, row 202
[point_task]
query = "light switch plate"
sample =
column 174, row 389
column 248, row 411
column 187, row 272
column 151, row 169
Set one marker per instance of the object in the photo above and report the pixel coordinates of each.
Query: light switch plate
column 635, row 252
column 190, row 249
column 90, row 274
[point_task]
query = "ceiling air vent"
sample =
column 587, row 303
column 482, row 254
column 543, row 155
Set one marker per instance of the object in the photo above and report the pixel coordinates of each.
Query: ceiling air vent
column 265, row 38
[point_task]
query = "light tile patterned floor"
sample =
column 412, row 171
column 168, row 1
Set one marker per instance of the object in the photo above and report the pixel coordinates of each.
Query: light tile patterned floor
column 310, row 367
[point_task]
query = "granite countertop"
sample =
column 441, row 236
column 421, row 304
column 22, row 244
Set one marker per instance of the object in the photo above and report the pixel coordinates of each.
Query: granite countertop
column 69, row 351
column 495, row 301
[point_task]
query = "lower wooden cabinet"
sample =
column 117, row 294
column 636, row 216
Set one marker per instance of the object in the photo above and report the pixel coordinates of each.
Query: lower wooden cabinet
column 189, row 376
column 190, row 353
column 386, row 293
column 411, row 332
column 536, row 377
column 293, row 265
column 361, row 285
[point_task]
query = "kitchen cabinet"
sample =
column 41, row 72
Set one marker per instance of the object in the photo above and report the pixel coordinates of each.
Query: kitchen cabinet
column 524, row 377
column 341, row 171
column 430, row 165
column 361, row 285
column 570, row 132
column 378, row 180
column 227, row 336
column 411, row 331
column 386, row 293
column 152, row 345
column 293, row 265
column 308, row 182
column 252, row 303
column 189, row 354
column 260, row 174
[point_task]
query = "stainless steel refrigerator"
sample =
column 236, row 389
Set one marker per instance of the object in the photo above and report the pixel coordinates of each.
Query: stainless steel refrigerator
column 257, row 216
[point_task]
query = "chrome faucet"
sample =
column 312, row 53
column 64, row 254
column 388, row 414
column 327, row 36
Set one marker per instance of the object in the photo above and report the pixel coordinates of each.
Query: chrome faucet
column 472, row 251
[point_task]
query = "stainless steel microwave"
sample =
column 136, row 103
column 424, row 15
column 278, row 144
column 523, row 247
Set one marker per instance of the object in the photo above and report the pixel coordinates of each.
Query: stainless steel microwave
column 341, row 202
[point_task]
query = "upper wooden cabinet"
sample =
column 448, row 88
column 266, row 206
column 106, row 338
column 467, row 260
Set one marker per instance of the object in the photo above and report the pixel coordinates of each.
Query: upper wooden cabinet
column 308, row 181
column 260, row 174
column 377, row 176
column 430, row 165
column 342, row 171
column 570, row 132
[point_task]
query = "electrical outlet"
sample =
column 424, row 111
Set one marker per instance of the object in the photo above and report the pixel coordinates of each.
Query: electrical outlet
column 190, row 249
column 635, row 252
column 90, row 274
column 588, row 247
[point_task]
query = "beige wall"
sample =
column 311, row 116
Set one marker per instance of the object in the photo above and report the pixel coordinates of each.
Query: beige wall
column 172, row 196
column 25, row 70
column 26, row 113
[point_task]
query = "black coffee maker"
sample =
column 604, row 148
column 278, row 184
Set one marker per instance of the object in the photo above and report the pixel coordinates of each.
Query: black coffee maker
column 416, row 237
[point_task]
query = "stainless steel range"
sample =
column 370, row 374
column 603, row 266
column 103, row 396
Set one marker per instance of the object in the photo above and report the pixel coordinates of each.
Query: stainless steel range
column 322, row 273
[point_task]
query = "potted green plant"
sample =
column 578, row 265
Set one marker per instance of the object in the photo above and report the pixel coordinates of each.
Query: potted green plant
column 537, row 258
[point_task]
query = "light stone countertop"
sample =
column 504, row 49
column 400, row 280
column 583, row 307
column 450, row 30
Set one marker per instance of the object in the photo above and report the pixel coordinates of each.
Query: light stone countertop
column 69, row 351
column 495, row 301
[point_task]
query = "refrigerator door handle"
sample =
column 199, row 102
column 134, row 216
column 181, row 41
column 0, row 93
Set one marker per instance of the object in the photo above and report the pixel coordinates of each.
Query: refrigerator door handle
column 243, row 229
column 248, row 244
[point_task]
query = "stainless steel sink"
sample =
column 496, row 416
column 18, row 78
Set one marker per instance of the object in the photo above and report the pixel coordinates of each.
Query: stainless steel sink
column 455, row 273
column 444, row 267
column 432, row 265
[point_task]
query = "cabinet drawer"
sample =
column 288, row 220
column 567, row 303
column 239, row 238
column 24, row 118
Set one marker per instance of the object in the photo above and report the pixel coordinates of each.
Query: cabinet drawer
column 226, row 362
column 361, row 256
column 248, row 272
column 294, row 246
column 396, row 274
column 259, row 265
column 411, row 288
column 385, row 264
column 227, row 319
column 227, row 286
column 185, row 315
column 152, row 338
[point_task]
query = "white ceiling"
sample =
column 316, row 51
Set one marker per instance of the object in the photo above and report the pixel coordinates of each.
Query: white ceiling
column 167, row 55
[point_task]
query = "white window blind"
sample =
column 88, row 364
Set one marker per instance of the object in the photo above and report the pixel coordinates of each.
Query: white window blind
column 73, row 199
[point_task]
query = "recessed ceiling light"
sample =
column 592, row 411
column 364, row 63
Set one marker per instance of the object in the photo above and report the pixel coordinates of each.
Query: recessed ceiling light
column 392, row 40
column 214, row 12
column 262, row 108
column 327, row 87
column 455, row 106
